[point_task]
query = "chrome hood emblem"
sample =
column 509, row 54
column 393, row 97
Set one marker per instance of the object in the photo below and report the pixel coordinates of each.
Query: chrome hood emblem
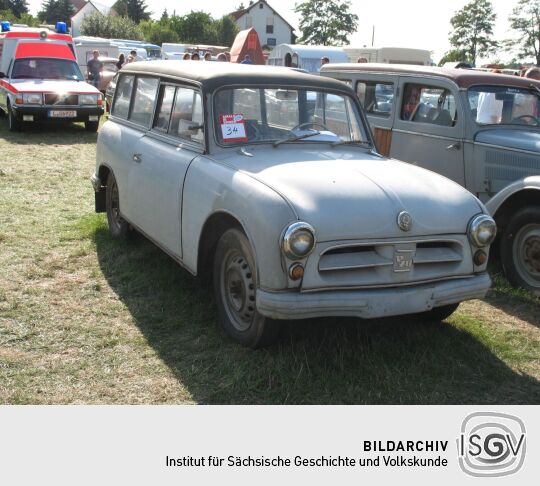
column 404, row 221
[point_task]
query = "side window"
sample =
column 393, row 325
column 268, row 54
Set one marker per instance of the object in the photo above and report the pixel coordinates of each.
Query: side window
column 143, row 101
column 187, row 116
column 164, row 107
column 124, row 88
column 429, row 104
column 376, row 97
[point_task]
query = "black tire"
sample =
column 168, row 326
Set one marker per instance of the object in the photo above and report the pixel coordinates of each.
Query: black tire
column 91, row 126
column 438, row 314
column 118, row 227
column 520, row 249
column 14, row 125
column 235, row 285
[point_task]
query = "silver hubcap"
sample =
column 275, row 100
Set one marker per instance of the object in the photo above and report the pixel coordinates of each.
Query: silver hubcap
column 526, row 253
column 238, row 290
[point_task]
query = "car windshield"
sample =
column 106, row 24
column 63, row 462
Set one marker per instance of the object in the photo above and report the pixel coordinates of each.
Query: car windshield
column 46, row 68
column 504, row 105
column 263, row 115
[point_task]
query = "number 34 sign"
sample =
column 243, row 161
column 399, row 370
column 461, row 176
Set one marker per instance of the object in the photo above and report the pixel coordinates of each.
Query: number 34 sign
column 233, row 128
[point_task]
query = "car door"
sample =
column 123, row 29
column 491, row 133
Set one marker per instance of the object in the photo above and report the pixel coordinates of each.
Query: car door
column 162, row 157
column 377, row 94
column 429, row 126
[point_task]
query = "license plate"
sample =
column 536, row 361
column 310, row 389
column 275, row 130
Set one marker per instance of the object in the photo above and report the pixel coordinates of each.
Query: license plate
column 403, row 261
column 62, row 114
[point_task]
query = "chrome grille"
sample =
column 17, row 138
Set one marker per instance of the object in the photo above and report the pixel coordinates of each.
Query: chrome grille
column 387, row 263
column 61, row 99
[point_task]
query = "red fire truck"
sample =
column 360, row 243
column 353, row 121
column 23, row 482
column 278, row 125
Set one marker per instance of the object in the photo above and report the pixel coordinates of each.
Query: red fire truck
column 41, row 81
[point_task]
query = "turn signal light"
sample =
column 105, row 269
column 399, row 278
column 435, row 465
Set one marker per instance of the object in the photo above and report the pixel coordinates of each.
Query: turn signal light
column 480, row 257
column 296, row 271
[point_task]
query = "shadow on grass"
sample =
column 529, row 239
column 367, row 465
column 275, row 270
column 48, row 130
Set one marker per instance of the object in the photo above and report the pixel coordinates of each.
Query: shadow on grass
column 48, row 134
column 318, row 361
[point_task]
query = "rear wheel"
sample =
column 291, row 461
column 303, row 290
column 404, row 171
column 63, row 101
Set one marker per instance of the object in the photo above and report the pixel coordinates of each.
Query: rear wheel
column 235, row 285
column 91, row 126
column 520, row 249
column 118, row 227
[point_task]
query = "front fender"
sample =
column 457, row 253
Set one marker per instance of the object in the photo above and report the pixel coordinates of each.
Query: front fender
column 494, row 204
column 212, row 187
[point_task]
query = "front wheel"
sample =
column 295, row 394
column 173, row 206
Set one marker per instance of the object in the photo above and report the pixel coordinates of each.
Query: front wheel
column 520, row 249
column 235, row 285
column 118, row 226
column 14, row 125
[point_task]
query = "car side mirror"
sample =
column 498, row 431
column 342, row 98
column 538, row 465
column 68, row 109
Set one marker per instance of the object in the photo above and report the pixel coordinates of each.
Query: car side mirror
column 2, row 75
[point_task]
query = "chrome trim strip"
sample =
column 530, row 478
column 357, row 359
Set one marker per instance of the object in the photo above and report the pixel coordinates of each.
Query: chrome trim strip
column 511, row 149
column 428, row 135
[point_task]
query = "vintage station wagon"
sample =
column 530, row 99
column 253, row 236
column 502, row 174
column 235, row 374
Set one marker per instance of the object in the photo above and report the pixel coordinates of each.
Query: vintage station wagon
column 480, row 129
column 268, row 180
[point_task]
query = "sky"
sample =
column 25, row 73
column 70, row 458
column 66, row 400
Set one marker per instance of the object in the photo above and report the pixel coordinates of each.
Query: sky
column 423, row 24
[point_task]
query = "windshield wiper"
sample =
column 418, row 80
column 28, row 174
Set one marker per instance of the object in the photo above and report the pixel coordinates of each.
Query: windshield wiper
column 352, row 142
column 297, row 137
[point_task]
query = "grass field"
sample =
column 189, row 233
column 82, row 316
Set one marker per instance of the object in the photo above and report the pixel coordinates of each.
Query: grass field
column 84, row 319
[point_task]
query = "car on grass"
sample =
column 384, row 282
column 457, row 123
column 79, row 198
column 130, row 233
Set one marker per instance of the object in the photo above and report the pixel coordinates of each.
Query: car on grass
column 291, row 211
column 480, row 129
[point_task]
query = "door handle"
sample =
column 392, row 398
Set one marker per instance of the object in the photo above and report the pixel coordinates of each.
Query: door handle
column 454, row 146
column 137, row 158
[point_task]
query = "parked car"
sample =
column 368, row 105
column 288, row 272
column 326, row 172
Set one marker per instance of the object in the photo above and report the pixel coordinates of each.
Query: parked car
column 480, row 129
column 108, row 73
column 292, row 217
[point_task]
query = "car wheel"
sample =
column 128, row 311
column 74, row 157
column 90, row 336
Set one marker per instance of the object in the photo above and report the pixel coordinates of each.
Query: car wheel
column 14, row 125
column 91, row 126
column 118, row 227
column 438, row 314
column 520, row 249
column 235, row 285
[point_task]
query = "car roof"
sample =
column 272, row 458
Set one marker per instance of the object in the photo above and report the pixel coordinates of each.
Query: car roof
column 213, row 75
column 464, row 78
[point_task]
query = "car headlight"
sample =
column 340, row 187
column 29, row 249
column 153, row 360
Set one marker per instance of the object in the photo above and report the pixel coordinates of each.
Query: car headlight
column 33, row 98
column 298, row 240
column 482, row 230
column 88, row 99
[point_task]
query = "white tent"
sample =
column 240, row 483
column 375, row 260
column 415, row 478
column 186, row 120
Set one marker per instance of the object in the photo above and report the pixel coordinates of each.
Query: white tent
column 305, row 57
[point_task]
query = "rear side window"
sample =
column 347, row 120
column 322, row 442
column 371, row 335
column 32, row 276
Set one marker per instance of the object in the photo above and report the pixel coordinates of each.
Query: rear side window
column 429, row 104
column 143, row 101
column 376, row 97
column 124, row 87
column 179, row 113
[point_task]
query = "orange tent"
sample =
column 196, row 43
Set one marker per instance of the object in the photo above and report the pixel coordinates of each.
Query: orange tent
column 247, row 42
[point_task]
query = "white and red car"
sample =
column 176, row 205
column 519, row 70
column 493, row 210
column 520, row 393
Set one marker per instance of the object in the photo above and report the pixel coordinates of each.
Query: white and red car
column 41, row 81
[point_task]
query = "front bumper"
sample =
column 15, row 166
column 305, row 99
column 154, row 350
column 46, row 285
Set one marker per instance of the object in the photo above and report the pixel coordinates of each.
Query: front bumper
column 41, row 113
column 371, row 303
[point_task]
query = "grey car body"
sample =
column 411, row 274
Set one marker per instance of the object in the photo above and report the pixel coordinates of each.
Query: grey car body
column 498, row 162
column 384, row 238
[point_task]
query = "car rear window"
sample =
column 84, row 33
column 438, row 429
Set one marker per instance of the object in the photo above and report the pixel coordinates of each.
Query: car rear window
column 143, row 101
column 376, row 97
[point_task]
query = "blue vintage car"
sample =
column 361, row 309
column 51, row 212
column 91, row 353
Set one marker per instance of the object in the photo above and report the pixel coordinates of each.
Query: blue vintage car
column 480, row 129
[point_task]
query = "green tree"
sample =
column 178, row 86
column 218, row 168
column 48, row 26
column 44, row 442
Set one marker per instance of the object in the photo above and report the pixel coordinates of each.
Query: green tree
column 454, row 55
column 25, row 18
column 158, row 32
column 473, row 30
column 164, row 16
column 136, row 10
column 53, row 11
column 226, row 30
column 195, row 28
column 525, row 20
column 110, row 27
column 326, row 22
column 17, row 7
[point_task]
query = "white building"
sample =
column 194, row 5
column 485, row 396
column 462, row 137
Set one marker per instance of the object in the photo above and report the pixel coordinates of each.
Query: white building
column 89, row 7
column 271, row 27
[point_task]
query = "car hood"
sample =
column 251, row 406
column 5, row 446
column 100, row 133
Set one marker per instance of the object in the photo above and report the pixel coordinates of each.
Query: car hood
column 349, row 193
column 53, row 86
column 524, row 138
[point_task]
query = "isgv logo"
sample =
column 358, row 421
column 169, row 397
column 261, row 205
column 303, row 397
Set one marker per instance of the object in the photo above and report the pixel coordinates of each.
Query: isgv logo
column 491, row 444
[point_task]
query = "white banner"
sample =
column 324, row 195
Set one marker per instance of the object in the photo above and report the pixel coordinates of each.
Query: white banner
column 269, row 445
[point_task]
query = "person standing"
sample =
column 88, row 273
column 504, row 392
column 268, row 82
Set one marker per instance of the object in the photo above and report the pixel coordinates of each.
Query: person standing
column 121, row 61
column 94, row 67
column 247, row 60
